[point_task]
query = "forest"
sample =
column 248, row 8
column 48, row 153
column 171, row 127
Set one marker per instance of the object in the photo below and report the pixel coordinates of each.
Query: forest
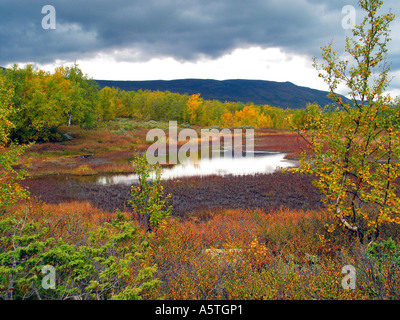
column 325, row 229
column 43, row 101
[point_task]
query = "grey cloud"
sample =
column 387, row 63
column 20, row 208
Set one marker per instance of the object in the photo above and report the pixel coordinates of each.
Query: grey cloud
column 183, row 29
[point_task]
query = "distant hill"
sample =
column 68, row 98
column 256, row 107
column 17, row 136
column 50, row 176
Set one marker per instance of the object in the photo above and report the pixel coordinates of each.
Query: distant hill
column 278, row 94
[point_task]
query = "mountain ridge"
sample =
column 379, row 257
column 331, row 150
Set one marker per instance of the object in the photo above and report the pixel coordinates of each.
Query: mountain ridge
column 278, row 94
column 262, row 92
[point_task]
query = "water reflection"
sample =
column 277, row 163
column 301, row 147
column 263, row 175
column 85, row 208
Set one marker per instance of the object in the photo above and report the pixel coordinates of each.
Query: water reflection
column 258, row 162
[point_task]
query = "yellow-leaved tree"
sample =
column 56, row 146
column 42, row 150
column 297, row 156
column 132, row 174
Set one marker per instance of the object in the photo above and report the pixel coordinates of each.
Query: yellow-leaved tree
column 10, row 190
column 356, row 150
column 193, row 105
column 227, row 119
column 247, row 116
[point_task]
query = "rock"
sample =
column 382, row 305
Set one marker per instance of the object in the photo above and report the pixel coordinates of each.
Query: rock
column 68, row 135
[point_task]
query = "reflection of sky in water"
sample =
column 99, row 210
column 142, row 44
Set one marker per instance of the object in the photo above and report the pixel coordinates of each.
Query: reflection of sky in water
column 262, row 162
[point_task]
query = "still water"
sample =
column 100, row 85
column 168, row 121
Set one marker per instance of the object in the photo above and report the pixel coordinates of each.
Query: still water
column 257, row 162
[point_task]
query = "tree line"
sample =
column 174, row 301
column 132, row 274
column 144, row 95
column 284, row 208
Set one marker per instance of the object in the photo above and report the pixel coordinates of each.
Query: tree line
column 44, row 101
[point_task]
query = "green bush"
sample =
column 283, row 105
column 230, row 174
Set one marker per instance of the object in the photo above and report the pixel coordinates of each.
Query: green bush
column 109, row 265
column 148, row 200
column 386, row 251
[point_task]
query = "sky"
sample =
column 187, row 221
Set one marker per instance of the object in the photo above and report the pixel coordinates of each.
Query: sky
column 176, row 39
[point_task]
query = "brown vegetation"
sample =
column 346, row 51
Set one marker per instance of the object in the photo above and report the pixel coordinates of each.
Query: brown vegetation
column 91, row 152
column 193, row 194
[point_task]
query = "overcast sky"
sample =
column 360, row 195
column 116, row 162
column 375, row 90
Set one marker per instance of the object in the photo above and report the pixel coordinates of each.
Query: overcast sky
column 174, row 39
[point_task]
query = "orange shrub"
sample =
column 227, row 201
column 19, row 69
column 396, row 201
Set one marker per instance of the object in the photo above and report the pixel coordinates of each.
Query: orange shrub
column 69, row 221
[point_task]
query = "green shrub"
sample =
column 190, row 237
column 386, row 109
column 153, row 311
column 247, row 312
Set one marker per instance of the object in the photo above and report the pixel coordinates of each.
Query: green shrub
column 386, row 251
column 148, row 200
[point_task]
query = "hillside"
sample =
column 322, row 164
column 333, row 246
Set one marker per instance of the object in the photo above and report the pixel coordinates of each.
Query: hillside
column 278, row 94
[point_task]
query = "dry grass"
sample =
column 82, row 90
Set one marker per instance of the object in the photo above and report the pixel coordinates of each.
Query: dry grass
column 89, row 152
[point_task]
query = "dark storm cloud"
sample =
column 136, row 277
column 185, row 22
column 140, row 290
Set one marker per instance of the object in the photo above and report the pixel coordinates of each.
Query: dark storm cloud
column 147, row 28
column 184, row 29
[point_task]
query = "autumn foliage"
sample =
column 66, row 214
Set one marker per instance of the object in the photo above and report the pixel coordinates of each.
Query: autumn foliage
column 224, row 254
column 355, row 156
column 252, row 237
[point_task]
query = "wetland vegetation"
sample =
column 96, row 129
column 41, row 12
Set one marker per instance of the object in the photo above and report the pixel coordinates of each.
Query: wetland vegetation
column 279, row 235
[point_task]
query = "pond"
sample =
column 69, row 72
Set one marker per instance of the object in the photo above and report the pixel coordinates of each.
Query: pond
column 245, row 164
